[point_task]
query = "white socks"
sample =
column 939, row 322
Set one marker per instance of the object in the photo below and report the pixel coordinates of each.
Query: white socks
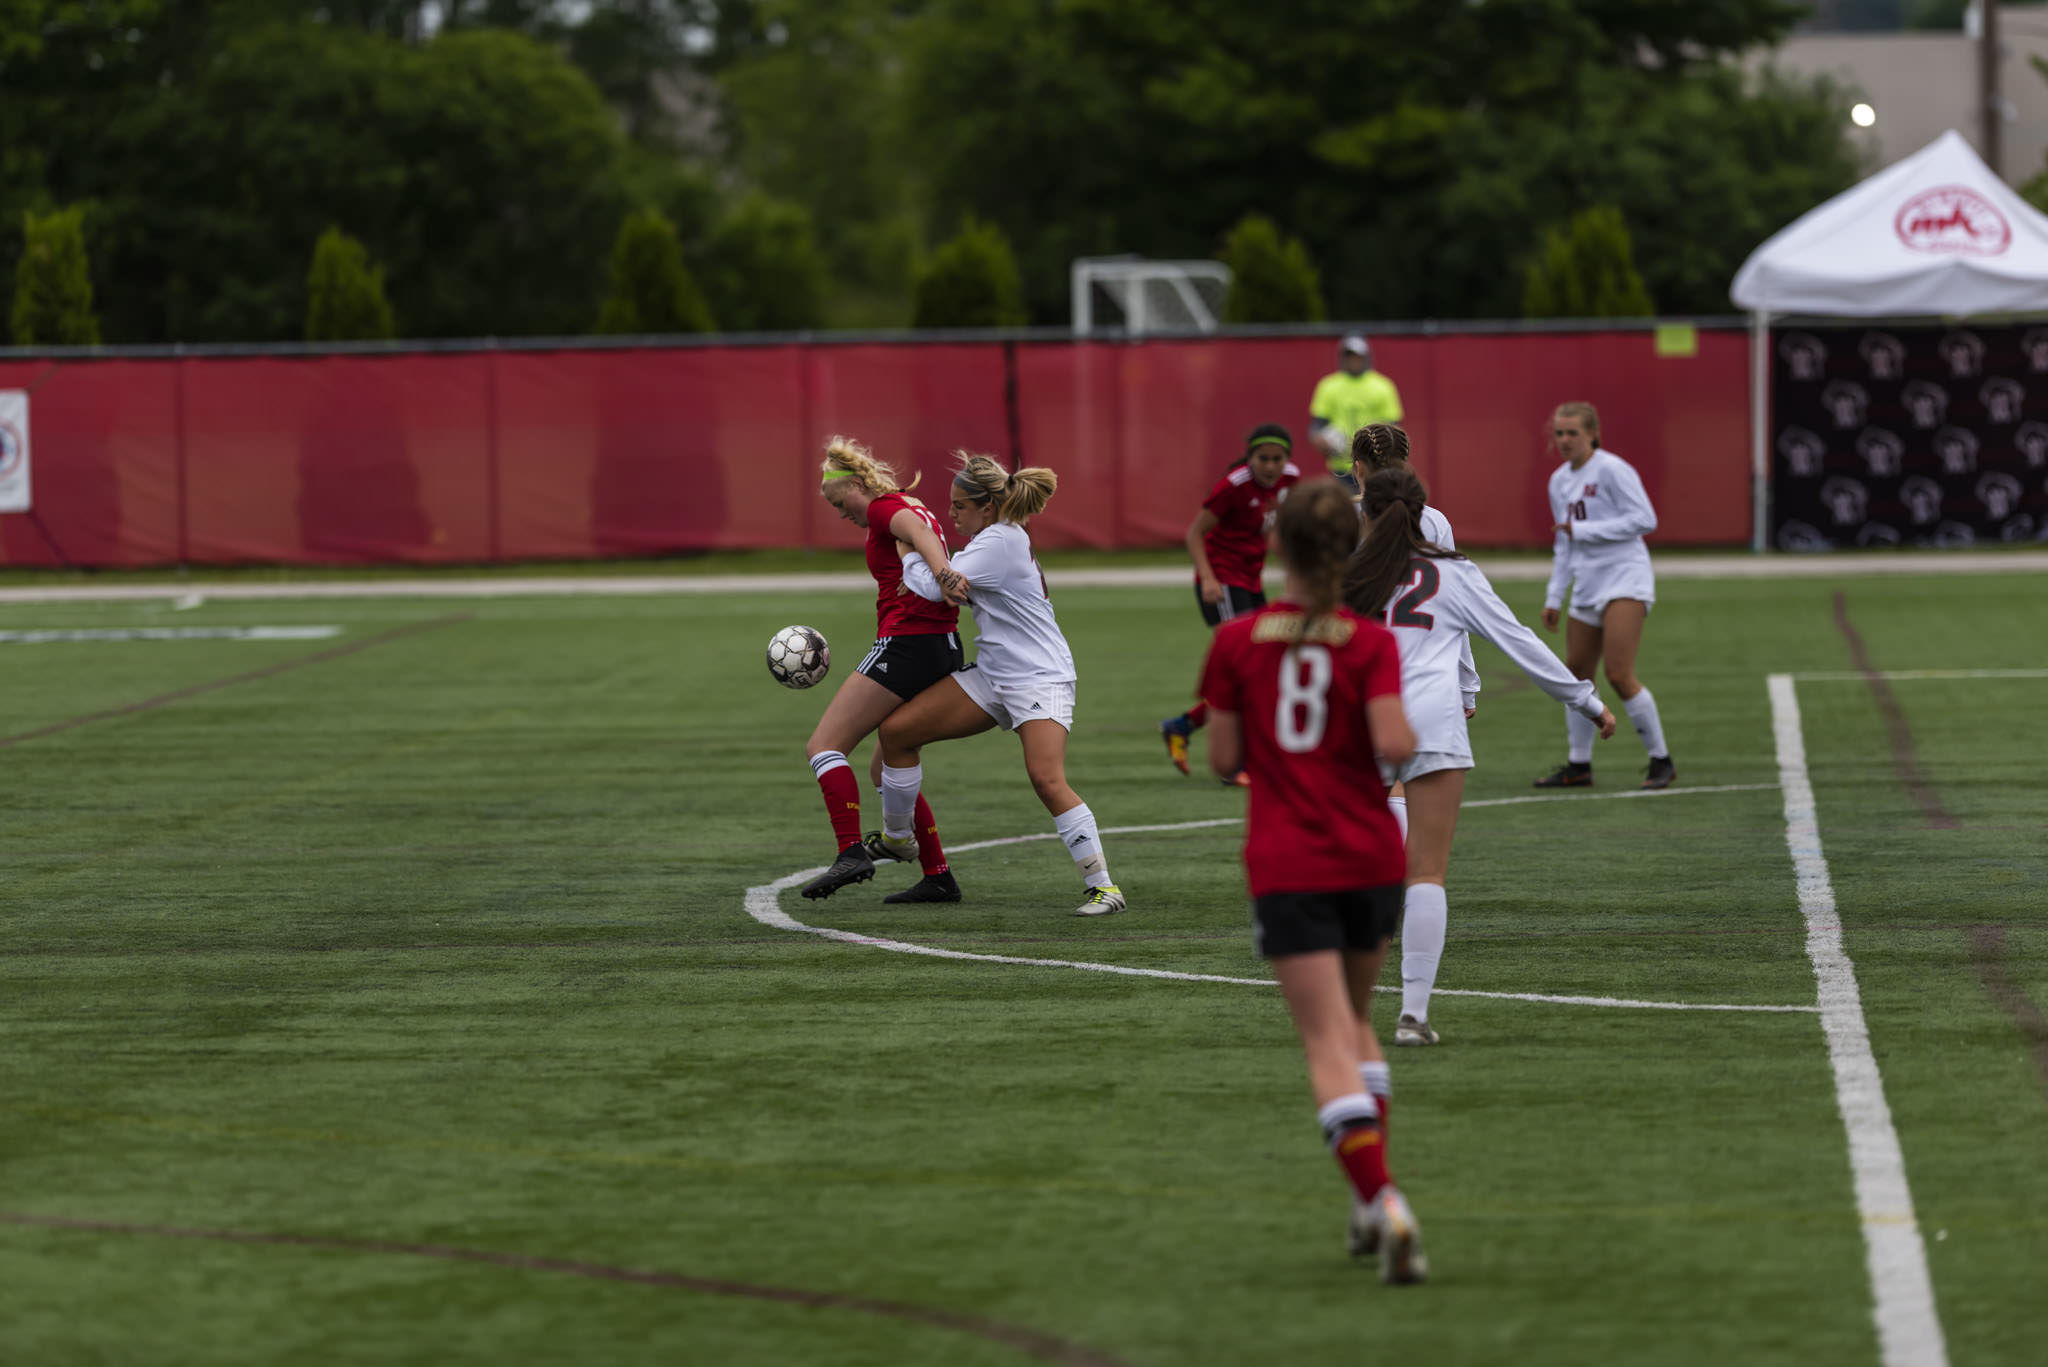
column 1076, row 826
column 1399, row 807
column 1422, row 946
column 899, row 800
column 1579, row 731
column 1642, row 711
column 1378, row 1079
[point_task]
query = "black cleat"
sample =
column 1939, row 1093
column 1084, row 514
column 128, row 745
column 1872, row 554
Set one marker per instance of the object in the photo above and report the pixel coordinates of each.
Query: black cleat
column 852, row 866
column 933, row 887
column 1661, row 773
column 1567, row 776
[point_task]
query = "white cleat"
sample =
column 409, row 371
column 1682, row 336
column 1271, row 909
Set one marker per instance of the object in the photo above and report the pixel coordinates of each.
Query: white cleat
column 1362, row 1234
column 1402, row 1261
column 881, row 846
column 1410, row 1031
column 1101, row 902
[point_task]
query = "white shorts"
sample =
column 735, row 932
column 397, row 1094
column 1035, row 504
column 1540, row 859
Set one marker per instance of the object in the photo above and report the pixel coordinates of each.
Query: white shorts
column 1590, row 596
column 1010, row 704
column 1424, row 762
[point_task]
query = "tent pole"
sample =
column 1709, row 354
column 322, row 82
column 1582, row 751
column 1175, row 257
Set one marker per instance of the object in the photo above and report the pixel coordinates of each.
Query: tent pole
column 1759, row 439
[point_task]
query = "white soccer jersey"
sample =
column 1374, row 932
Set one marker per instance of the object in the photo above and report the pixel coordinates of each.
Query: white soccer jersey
column 1433, row 615
column 1017, row 639
column 1604, row 557
column 1436, row 529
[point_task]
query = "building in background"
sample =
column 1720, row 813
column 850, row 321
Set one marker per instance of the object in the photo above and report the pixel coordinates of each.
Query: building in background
column 1919, row 82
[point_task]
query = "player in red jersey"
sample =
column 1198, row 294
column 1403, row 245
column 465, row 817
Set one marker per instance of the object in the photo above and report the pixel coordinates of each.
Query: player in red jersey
column 1227, row 542
column 917, row 643
column 1305, row 695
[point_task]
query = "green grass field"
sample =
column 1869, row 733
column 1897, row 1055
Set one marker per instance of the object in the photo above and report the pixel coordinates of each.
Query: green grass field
column 393, row 997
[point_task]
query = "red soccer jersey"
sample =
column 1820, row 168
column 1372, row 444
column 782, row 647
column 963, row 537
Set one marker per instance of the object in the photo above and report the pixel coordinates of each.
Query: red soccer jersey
column 1237, row 543
column 1318, row 820
column 902, row 614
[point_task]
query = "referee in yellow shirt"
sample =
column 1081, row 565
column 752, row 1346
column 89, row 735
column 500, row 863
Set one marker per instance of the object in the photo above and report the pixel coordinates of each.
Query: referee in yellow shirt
column 1353, row 396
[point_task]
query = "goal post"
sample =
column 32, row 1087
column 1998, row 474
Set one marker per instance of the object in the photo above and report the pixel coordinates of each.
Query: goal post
column 1147, row 296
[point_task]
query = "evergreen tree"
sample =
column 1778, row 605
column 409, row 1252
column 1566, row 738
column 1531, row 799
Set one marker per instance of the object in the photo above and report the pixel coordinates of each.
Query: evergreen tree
column 762, row 268
column 652, row 290
column 344, row 294
column 1586, row 269
column 52, row 283
column 1272, row 280
column 970, row 282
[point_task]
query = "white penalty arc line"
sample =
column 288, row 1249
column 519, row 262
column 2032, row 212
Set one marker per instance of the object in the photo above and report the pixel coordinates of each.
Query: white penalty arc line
column 764, row 905
column 1858, row 676
column 1908, row 1325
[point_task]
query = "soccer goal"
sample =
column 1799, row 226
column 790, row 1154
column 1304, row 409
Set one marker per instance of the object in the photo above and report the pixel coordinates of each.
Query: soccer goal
column 1133, row 296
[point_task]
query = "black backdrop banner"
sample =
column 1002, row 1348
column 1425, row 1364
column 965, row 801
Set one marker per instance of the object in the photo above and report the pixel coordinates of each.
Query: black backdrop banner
column 1921, row 436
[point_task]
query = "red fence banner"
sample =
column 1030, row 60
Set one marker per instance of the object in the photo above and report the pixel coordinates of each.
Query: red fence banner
column 504, row 454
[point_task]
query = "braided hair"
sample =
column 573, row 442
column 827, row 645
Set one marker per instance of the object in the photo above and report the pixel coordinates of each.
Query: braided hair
column 1379, row 446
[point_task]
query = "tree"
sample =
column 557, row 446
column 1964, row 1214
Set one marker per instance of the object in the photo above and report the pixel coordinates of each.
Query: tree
column 481, row 170
column 1410, row 142
column 817, row 119
column 1271, row 281
column 652, row 291
column 52, row 283
column 345, row 294
column 762, row 269
column 1586, row 269
column 970, row 282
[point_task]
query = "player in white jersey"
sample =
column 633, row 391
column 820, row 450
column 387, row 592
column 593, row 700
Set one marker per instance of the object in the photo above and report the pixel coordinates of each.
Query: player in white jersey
column 1383, row 446
column 1433, row 599
column 1022, row 678
column 1600, row 515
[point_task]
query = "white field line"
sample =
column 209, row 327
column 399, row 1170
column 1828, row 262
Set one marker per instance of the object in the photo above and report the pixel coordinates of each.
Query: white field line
column 1522, row 569
column 67, row 635
column 1854, row 676
column 1908, row 1326
column 763, row 904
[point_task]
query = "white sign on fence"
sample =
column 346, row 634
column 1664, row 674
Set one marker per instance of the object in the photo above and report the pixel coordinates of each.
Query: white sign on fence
column 13, row 451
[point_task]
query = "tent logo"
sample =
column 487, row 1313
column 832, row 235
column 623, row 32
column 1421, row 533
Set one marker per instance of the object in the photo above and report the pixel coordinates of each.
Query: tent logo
column 1953, row 218
column 11, row 449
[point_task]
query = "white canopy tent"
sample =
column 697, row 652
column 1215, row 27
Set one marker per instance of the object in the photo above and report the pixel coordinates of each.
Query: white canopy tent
column 1934, row 235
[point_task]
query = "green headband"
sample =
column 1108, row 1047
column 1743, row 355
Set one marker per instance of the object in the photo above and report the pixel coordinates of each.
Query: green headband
column 830, row 475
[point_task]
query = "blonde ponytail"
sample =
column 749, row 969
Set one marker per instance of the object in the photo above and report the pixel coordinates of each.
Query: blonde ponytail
column 1015, row 496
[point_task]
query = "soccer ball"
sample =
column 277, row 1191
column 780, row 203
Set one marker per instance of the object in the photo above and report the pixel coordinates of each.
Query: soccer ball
column 798, row 657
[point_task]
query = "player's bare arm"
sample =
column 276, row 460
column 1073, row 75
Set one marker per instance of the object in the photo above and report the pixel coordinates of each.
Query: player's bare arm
column 1205, row 573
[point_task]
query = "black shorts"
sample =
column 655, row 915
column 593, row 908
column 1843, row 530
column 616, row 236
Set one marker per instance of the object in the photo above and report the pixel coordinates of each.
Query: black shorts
column 908, row 665
column 1236, row 603
column 1360, row 919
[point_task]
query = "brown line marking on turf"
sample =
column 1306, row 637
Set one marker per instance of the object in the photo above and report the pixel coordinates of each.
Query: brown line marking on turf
column 1987, row 957
column 1904, row 759
column 178, row 695
column 1045, row 1347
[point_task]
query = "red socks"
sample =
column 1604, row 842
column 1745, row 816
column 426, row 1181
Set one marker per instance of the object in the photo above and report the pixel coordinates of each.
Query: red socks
column 842, row 802
column 1361, row 1151
column 931, row 855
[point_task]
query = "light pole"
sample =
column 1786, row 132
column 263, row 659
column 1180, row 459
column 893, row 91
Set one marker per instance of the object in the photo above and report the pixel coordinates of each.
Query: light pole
column 1992, row 105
